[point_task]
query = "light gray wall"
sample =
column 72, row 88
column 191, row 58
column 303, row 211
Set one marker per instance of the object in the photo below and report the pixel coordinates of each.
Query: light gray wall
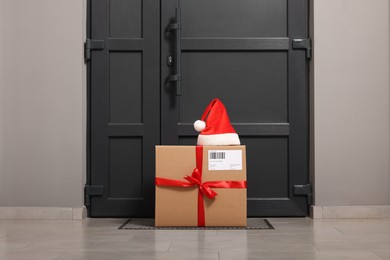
column 42, row 100
column 351, row 102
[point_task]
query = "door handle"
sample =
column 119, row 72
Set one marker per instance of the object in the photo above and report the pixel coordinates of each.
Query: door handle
column 176, row 28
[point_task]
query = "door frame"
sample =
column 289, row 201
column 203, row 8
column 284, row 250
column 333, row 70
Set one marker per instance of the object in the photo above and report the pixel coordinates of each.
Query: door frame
column 309, row 110
column 88, row 110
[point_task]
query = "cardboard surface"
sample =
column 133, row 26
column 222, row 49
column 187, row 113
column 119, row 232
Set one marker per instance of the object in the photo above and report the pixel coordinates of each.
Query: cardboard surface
column 177, row 206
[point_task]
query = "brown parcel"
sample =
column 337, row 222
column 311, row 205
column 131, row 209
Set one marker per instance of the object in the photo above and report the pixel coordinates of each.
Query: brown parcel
column 177, row 206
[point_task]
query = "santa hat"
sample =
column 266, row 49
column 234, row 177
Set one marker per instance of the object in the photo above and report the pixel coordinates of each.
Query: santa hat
column 215, row 127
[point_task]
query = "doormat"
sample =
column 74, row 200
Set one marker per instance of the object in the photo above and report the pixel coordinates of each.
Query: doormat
column 148, row 223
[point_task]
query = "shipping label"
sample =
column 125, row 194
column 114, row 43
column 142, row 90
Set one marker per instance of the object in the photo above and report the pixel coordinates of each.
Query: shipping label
column 220, row 160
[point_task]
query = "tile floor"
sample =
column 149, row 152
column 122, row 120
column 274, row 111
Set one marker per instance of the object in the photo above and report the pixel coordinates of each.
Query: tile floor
column 293, row 238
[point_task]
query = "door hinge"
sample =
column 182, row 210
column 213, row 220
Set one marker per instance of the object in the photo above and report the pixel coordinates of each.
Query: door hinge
column 304, row 190
column 303, row 44
column 90, row 191
column 90, row 45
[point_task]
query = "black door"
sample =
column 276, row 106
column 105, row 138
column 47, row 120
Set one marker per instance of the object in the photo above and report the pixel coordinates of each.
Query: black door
column 239, row 51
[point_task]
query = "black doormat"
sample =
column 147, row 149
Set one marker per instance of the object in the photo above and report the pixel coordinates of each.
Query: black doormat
column 148, row 223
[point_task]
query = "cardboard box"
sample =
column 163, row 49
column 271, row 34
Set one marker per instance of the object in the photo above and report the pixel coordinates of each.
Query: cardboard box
column 178, row 206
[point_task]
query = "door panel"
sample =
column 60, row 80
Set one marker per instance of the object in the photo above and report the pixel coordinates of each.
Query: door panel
column 235, row 78
column 267, row 155
column 234, row 18
column 121, row 149
column 125, row 87
column 125, row 18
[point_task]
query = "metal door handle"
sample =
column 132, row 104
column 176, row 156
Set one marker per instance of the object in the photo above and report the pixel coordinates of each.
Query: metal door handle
column 176, row 27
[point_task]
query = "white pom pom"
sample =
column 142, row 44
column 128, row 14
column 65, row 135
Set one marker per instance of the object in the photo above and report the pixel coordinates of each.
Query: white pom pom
column 199, row 125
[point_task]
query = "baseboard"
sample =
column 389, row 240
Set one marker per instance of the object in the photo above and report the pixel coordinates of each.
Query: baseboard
column 43, row 213
column 340, row 212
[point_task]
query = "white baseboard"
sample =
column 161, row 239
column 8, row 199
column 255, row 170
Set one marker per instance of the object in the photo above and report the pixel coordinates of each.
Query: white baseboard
column 317, row 212
column 340, row 212
column 43, row 213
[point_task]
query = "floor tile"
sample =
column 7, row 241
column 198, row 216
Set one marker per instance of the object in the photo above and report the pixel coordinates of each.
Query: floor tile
column 55, row 246
column 28, row 238
column 4, row 244
column 10, row 255
column 292, row 255
column 181, row 235
column 137, row 256
column 384, row 254
column 352, row 245
column 347, row 255
column 240, row 245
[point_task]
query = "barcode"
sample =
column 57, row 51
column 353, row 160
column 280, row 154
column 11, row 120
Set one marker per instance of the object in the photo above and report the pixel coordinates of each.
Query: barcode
column 217, row 155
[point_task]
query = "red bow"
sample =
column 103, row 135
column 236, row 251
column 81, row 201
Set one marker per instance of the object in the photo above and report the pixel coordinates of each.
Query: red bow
column 204, row 187
column 194, row 180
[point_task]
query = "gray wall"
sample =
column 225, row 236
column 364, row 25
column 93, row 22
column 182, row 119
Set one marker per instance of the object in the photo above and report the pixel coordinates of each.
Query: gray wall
column 42, row 103
column 351, row 102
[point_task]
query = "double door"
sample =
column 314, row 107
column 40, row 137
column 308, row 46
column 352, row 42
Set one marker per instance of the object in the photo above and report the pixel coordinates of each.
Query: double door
column 154, row 66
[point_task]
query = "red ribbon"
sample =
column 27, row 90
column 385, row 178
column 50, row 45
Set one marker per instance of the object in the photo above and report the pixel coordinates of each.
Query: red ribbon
column 204, row 187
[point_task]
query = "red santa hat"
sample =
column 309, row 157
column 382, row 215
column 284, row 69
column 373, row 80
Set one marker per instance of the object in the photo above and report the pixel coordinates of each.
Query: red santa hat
column 215, row 127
